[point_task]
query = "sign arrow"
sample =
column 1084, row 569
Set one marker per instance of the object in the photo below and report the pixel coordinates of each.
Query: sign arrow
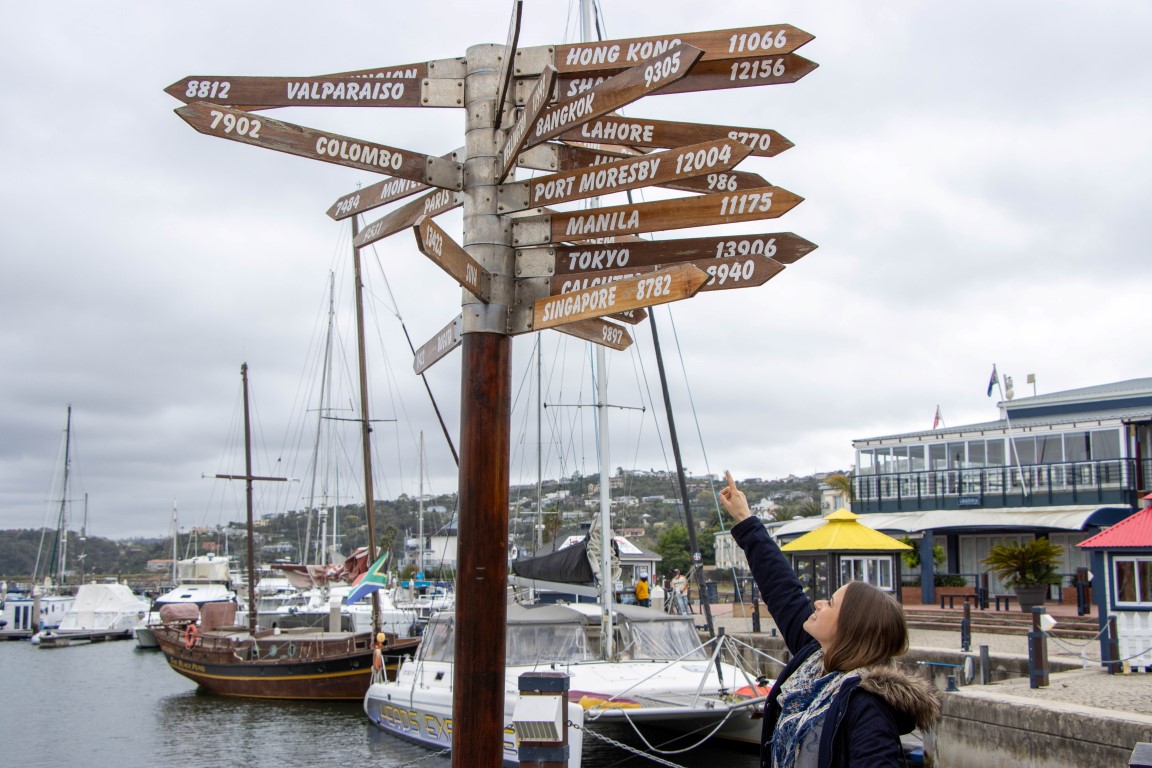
column 599, row 331
column 431, row 204
column 641, row 132
column 373, row 196
column 438, row 346
column 582, row 258
column 649, row 76
column 621, row 175
column 323, row 91
column 447, row 254
column 261, row 131
column 564, row 157
column 518, row 134
column 717, row 44
column 723, row 274
column 714, row 75
column 673, row 284
column 705, row 210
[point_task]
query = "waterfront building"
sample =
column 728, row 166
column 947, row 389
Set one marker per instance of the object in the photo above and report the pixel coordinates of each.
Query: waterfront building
column 1063, row 465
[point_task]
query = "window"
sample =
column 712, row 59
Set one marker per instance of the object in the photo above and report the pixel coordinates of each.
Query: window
column 1105, row 444
column 1132, row 581
column 874, row 570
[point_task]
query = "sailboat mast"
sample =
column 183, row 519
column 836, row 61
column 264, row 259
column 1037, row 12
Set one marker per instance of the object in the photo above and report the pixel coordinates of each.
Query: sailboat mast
column 62, row 522
column 365, row 424
column 320, row 424
column 175, row 547
column 248, row 503
column 420, row 504
column 539, row 446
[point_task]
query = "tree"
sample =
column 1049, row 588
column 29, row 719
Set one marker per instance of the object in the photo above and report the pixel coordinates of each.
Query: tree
column 672, row 546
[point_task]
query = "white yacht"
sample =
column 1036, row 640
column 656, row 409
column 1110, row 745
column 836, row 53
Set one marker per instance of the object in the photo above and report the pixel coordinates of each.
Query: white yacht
column 100, row 612
column 661, row 681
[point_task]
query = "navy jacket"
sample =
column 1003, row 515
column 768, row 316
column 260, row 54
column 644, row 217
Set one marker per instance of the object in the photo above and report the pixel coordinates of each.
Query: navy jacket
column 866, row 718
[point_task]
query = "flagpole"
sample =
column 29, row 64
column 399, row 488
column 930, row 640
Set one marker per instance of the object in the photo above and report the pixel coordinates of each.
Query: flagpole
column 1011, row 442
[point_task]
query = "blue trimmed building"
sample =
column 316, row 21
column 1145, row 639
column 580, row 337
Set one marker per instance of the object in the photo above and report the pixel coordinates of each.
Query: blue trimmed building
column 1062, row 465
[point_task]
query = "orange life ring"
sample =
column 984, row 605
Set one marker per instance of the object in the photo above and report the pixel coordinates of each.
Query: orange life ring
column 190, row 635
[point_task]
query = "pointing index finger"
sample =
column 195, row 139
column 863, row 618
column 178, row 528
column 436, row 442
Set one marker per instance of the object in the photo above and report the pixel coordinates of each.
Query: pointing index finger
column 731, row 482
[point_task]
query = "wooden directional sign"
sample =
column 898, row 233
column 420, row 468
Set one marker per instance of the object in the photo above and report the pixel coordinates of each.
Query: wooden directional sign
column 431, row 204
column 373, row 196
column 649, row 76
column 518, row 134
column 564, row 157
column 632, row 316
column 438, row 346
column 713, row 76
column 599, row 331
column 783, row 247
column 705, row 210
column 447, row 254
column 716, row 44
column 723, row 274
column 299, row 91
column 640, row 132
column 679, row 282
column 625, row 174
column 266, row 132
column 509, row 57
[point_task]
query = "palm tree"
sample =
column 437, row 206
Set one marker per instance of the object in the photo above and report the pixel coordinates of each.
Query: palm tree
column 842, row 484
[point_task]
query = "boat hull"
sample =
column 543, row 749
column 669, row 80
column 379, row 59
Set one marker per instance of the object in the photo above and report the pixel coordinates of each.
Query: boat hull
column 310, row 666
column 425, row 717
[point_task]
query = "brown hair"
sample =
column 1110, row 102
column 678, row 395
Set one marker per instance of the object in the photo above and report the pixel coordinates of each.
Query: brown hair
column 871, row 629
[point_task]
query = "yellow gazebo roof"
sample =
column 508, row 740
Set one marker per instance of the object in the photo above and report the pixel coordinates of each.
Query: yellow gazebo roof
column 843, row 533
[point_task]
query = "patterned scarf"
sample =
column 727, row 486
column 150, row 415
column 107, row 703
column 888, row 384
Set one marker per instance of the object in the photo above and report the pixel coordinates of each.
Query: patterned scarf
column 804, row 700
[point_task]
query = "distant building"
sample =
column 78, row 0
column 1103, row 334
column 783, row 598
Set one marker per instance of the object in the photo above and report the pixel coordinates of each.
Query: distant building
column 1061, row 465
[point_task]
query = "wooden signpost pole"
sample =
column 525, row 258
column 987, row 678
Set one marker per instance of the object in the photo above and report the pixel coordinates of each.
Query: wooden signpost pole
column 485, row 426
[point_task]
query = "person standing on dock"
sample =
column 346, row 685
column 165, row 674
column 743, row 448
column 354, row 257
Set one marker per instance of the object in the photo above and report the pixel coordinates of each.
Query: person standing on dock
column 841, row 700
column 680, row 593
column 642, row 592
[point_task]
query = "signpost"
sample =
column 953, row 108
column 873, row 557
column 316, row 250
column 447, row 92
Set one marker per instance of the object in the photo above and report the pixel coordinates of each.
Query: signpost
column 673, row 284
column 599, row 331
column 755, row 204
column 621, row 175
column 438, row 245
column 516, row 251
column 723, row 274
column 639, row 132
column 783, row 247
column 648, row 76
column 438, row 346
column 262, row 131
column 431, row 204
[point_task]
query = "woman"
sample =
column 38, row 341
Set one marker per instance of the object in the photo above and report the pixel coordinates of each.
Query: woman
column 841, row 700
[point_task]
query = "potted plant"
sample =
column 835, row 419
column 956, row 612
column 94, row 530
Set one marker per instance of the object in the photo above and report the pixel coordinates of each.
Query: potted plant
column 1028, row 569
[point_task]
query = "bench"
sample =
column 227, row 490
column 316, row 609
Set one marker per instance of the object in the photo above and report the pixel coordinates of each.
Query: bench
column 952, row 599
column 1007, row 602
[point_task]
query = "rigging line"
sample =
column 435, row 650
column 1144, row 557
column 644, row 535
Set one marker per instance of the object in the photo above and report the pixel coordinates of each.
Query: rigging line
column 696, row 419
column 412, row 347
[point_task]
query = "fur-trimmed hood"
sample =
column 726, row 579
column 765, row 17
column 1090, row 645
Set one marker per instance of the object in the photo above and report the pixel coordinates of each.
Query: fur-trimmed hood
column 913, row 699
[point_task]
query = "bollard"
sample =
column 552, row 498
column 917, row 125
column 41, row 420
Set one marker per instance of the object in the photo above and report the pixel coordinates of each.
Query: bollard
column 985, row 666
column 1113, row 660
column 1037, row 652
column 755, row 608
column 540, row 720
column 966, row 629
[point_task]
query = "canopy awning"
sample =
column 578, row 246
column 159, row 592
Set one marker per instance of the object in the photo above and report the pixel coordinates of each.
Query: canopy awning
column 1068, row 518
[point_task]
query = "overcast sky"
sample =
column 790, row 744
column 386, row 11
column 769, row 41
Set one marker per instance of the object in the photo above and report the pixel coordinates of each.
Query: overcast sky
column 976, row 176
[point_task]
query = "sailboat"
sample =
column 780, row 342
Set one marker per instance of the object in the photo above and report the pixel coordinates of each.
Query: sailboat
column 47, row 604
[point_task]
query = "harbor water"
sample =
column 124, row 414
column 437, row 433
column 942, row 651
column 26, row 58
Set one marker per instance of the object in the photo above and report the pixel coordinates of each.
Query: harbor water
column 111, row 704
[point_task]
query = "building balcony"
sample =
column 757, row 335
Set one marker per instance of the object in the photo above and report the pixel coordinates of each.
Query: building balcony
column 1111, row 482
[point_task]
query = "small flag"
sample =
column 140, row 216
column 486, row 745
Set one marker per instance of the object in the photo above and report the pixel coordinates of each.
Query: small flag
column 992, row 380
column 938, row 420
column 373, row 579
